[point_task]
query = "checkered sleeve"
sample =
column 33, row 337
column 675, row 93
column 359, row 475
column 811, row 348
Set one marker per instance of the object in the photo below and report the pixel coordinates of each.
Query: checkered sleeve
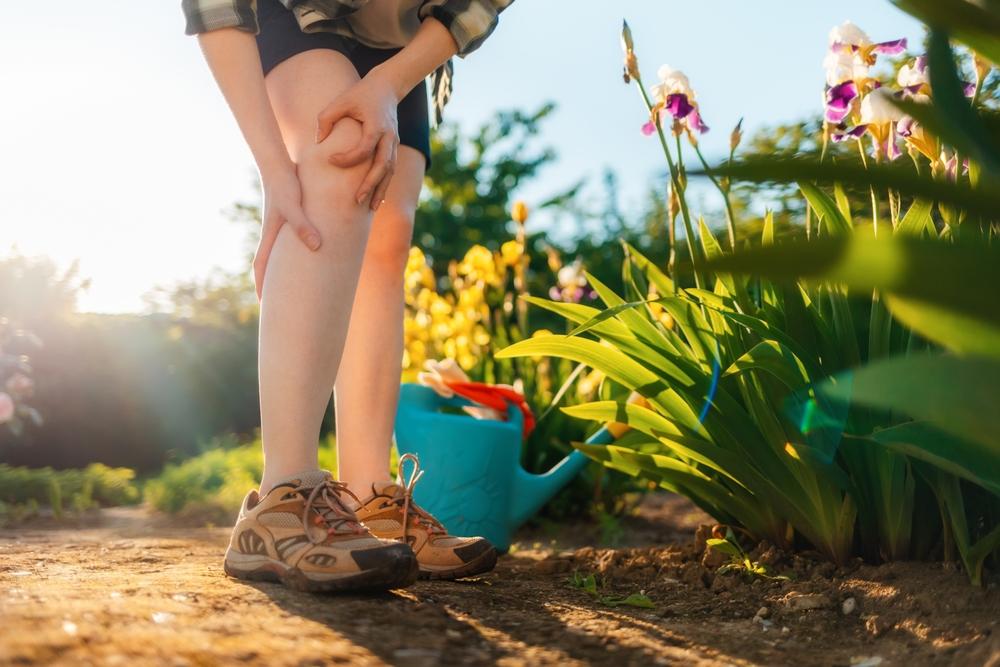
column 470, row 22
column 205, row 15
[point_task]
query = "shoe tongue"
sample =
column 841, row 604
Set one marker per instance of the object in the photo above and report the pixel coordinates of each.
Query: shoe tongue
column 307, row 479
column 391, row 489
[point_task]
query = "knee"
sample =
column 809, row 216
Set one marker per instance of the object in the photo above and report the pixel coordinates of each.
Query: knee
column 391, row 232
column 325, row 186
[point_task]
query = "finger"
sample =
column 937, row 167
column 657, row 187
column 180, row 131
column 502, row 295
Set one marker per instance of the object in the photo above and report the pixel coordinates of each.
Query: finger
column 269, row 232
column 383, row 187
column 304, row 229
column 362, row 152
column 329, row 116
column 382, row 165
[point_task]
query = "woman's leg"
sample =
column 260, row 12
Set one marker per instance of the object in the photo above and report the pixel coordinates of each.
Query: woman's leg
column 307, row 296
column 367, row 387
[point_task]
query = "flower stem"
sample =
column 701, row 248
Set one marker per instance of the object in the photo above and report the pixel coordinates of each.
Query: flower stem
column 730, row 219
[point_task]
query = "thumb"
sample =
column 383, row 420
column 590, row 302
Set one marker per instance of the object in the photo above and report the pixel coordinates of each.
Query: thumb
column 329, row 116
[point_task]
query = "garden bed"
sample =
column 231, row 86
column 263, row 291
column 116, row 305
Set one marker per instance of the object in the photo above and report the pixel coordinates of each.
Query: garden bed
column 125, row 586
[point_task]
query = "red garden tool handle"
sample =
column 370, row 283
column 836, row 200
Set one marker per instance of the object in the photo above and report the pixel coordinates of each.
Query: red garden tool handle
column 495, row 397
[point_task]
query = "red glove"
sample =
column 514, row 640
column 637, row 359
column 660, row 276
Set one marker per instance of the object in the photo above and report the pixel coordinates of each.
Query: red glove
column 493, row 396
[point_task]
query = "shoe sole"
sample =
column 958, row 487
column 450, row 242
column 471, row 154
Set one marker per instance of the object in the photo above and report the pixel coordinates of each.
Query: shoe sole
column 401, row 572
column 482, row 564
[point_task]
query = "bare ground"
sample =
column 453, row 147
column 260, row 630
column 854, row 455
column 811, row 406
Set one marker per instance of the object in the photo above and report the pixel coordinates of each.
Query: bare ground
column 126, row 587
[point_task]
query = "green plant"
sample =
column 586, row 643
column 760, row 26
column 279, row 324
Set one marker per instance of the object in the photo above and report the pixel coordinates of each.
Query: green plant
column 783, row 389
column 24, row 490
column 588, row 584
column 739, row 561
column 212, row 484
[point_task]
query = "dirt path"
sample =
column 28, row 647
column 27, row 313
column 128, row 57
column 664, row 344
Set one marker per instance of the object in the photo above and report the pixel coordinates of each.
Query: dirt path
column 132, row 591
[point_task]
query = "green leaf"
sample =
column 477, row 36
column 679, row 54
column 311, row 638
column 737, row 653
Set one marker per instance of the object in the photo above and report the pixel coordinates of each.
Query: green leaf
column 968, row 459
column 724, row 546
column 977, row 24
column 918, row 219
column 957, row 332
column 633, row 600
column 843, row 203
column 958, row 278
column 956, row 394
column 825, row 208
column 607, row 314
column 774, row 358
column 896, row 176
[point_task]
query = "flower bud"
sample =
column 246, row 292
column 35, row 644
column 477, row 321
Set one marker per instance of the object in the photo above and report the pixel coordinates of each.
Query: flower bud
column 736, row 137
column 627, row 44
column 631, row 70
column 519, row 212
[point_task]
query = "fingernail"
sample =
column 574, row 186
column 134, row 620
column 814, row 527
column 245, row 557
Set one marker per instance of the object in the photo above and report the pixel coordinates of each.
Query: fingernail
column 313, row 242
column 362, row 197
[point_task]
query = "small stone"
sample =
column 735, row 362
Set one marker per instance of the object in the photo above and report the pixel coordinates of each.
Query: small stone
column 713, row 558
column 876, row 626
column 866, row 661
column 69, row 627
column 161, row 617
column 179, row 597
column 806, row 601
column 763, row 612
column 785, row 630
column 848, row 606
column 693, row 574
column 552, row 566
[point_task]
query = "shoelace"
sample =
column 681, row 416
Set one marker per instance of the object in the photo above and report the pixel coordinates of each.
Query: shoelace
column 433, row 525
column 330, row 509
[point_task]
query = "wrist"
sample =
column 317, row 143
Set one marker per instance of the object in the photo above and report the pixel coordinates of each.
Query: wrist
column 275, row 167
column 388, row 77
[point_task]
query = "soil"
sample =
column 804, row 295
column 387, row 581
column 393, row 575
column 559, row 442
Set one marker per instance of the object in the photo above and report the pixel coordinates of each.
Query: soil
column 129, row 587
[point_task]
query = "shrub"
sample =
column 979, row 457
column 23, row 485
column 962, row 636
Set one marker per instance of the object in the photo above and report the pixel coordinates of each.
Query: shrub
column 24, row 490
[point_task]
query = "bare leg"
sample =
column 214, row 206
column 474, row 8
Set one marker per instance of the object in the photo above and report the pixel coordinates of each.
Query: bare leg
column 307, row 296
column 367, row 387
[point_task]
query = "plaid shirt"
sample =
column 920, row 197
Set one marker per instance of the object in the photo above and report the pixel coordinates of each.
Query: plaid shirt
column 470, row 22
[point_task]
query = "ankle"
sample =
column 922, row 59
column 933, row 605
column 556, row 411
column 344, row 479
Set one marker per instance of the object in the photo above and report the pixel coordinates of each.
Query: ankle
column 272, row 478
column 364, row 488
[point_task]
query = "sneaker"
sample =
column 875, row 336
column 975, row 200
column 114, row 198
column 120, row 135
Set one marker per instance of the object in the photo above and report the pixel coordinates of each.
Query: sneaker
column 302, row 534
column 391, row 513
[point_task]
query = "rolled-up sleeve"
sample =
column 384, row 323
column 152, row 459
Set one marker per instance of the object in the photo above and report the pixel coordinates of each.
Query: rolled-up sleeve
column 470, row 22
column 205, row 15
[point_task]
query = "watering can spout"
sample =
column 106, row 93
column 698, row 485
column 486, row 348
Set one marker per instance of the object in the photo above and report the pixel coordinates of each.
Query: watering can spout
column 532, row 491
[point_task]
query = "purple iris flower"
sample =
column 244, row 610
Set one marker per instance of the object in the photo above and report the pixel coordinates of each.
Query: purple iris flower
column 890, row 48
column 838, row 101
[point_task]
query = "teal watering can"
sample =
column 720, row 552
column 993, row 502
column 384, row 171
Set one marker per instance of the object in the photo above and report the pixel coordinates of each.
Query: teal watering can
column 473, row 481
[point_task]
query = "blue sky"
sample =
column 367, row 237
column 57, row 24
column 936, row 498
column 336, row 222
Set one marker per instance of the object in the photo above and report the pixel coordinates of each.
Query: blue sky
column 120, row 152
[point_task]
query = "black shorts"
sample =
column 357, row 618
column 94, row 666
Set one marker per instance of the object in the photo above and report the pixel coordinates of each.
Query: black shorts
column 280, row 38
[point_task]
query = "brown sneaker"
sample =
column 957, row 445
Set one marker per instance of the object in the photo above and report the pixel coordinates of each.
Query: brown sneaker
column 302, row 534
column 391, row 513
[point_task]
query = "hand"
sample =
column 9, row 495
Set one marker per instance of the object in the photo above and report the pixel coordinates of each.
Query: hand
column 282, row 203
column 372, row 102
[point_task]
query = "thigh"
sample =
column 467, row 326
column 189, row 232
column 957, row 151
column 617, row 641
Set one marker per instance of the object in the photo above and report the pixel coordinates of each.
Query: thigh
column 302, row 86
